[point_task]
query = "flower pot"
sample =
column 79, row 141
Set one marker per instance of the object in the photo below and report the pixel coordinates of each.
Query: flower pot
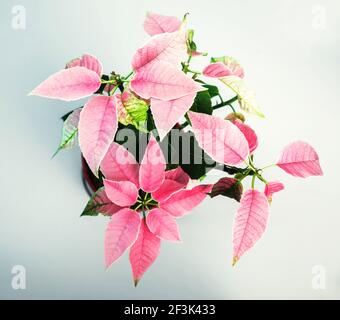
column 90, row 181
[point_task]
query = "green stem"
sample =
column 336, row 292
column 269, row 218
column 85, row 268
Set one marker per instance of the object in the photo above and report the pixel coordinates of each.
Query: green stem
column 113, row 90
column 226, row 103
column 267, row 167
column 128, row 76
column 253, row 181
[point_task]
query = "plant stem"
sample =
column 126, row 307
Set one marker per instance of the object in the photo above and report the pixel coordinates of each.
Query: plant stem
column 226, row 103
column 128, row 76
column 253, row 181
column 267, row 167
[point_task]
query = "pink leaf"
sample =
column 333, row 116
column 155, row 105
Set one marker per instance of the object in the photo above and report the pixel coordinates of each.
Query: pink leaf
column 121, row 233
column 300, row 160
column 167, row 188
column 152, row 168
column 144, row 252
column 166, row 47
column 175, row 180
column 163, row 225
column 122, row 193
column 220, row 70
column 182, row 202
column 249, row 134
column 69, row 84
column 97, row 129
column 87, row 61
column 155, row 23
column 162, row 81
column 217, row 70
column 271, row 188
column 250, row 222
column 167, row 113
column 178, row 175
column 219, row 138
column 120, row 165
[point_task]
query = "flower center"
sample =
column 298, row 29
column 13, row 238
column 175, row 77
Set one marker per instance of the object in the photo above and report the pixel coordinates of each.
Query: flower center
column 144, row 202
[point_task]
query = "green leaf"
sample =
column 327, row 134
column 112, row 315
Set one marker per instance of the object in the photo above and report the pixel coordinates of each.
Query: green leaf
column 202, row 103
column 190, row 41
column 99, row 203
column 213, row 90
column 133, row 110
column 69, row 137
column 246, row 97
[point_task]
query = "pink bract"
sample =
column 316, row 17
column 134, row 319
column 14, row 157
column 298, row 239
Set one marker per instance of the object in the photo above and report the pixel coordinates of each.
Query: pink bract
column 87, row 61
column 166, row 47
column 121, row 233
column 250, row 222
column 156, row 23
column 220, row 70
column 271, row 188
column 167, row 113
column 164, row 82
column 97, row 128
column 220, row 139
column 166, row 187
column 144, row 252
column 249, row 134
column 69, row 84
column 300, row 160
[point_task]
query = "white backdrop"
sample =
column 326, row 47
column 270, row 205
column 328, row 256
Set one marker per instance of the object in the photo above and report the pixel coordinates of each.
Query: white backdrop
column 290, row 52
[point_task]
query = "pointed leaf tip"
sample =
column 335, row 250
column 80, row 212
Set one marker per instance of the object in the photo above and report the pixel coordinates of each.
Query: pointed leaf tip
column 299, row 159
column 69, row 84
column 235, row 259
column 135, row 282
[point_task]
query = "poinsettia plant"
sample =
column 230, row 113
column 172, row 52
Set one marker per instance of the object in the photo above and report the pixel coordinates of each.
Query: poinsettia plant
column 149, row 139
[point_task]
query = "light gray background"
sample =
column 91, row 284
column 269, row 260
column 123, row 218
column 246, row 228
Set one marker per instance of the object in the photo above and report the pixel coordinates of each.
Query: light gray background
column 290, row 62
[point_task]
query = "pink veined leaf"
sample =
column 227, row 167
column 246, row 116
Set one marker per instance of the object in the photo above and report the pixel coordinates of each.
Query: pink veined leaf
column 217, row 70
column 100, row 203
column 178, row 175
column 121, row 233
column 300, row 160
column 144, row 252
column 69, row 84
column 122, row 193
column 249, row 134
column 120, row 165
column 250, row 222
column 167, row 188
column 163, row 225
column 156, row 23
column 165, row 47
column 271, row 188
column 175, row 180
column 152, row 167
column 162, row 81
column 224, row 65
column 87, row 61
column 183, row 201
column 167, row 113
column 219, row 138
column 97, row 129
